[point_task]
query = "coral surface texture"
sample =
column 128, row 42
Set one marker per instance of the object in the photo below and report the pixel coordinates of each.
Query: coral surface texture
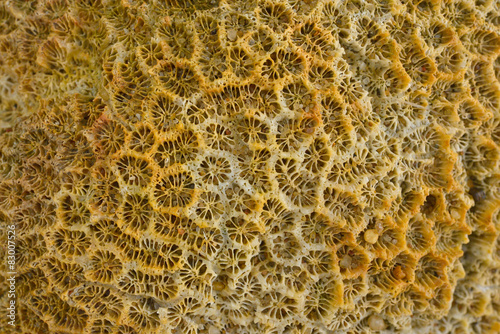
column 249, row 166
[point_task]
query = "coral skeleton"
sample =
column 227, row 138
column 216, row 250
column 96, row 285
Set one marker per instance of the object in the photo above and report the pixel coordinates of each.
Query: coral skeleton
column 250, row 166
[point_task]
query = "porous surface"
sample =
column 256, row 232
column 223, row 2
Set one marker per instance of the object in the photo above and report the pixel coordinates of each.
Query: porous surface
column 299, row 166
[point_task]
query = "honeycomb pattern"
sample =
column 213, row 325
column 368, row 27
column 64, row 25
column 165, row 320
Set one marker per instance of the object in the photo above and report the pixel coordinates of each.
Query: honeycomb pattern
column 257, row 166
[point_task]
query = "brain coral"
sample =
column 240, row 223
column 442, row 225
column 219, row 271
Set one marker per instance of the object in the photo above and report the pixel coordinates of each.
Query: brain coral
column 250, row 166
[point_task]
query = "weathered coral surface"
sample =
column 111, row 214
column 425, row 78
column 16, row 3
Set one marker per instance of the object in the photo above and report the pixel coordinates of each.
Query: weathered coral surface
column 251, row 166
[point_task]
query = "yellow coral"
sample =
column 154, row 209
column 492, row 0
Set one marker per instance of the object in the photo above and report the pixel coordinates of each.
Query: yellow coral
column 250, row 166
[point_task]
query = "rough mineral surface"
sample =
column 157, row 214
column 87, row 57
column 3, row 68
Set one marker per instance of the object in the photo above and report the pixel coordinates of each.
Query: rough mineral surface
column 248, row 166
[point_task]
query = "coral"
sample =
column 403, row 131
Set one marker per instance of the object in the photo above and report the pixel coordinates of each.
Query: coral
column 250, row 166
